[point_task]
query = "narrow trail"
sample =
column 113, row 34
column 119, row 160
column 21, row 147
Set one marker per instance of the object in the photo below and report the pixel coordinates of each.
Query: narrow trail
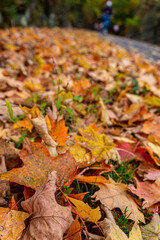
column 151, row 52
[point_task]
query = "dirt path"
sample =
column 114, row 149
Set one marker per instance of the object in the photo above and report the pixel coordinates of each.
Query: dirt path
column 151, row 52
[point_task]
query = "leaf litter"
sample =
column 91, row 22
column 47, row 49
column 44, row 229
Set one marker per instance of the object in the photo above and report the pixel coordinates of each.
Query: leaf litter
column 79, row 138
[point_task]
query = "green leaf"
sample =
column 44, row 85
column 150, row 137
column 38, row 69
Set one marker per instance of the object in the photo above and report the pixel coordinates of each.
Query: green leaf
column 70, row 112
column 58, row 104
column 78, row 98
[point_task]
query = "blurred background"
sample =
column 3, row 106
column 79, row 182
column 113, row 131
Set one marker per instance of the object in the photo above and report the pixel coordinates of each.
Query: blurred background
column 137, row 19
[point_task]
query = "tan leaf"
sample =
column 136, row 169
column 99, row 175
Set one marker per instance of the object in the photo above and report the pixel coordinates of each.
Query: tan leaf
column 152, row 230
column 114, row 195
column 49, row 219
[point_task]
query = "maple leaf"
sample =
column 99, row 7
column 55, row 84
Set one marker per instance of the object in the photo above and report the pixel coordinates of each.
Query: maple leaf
column 81, row 155
column 98, row 144
column 150, row 192
column 85, row 211
column 114, row 195
column 12, row 223
column 38, row 163
column 74, row 232
column 58, row 131
column 49, row 220
column 25, row 123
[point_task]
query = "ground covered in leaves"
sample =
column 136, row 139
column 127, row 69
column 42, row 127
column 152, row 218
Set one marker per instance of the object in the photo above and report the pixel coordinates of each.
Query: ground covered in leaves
column 79, row 138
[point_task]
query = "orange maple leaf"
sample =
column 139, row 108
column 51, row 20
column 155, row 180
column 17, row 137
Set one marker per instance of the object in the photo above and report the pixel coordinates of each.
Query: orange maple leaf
column 58, row 131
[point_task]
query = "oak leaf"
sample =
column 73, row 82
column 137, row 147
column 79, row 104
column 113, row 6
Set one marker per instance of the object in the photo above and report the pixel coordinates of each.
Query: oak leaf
column 85, row 211
column 49, row 220
column 115, row 195
column 11, row 223
column 37, row 165
column 98, row 144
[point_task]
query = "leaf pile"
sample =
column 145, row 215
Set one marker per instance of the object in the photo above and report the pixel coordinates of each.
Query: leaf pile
column 79, row 138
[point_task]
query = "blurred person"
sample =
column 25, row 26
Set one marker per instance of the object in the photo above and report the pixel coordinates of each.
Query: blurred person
column 107, row 13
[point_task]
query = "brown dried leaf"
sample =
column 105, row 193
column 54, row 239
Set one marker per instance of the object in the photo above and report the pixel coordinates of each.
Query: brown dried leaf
column 49, row 220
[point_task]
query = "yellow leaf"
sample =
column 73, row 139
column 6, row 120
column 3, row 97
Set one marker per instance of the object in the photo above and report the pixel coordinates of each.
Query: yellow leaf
column 152, row 100
column 34, row 87
column 12, row 223
column 92, row 179
column 135, row 233
column 98, row 144
column 81, row 155
column 25, row 123
column 33, row 112
column 85, row 211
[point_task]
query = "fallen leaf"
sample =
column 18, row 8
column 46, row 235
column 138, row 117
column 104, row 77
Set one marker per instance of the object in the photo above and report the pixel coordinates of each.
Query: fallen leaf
column 41, row 128
column 98, row 144
column 37, row 165
column 12, row 205
column 148, row 172
column 92, row 179
column 150, row 192
column 115, row 195
column 152, row 126
column 12, row 223
column 25, row 123
column 152, row 230
column 85, row 211
column 113, row 232
column 81, row 155
column 74, row 232
column 58, row 132
column 49, row 220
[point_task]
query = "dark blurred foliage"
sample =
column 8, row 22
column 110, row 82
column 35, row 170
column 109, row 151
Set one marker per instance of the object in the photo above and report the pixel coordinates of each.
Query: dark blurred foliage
column 138, row 19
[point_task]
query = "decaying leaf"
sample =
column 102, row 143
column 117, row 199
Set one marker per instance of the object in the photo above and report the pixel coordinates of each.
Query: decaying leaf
column 38, row 121
column 85, row 211
column 152, row 230
column 98, row 144
column 49, row 220
column 115, row 195
column 11, row 223
column 38, row 164
column 150, row 192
